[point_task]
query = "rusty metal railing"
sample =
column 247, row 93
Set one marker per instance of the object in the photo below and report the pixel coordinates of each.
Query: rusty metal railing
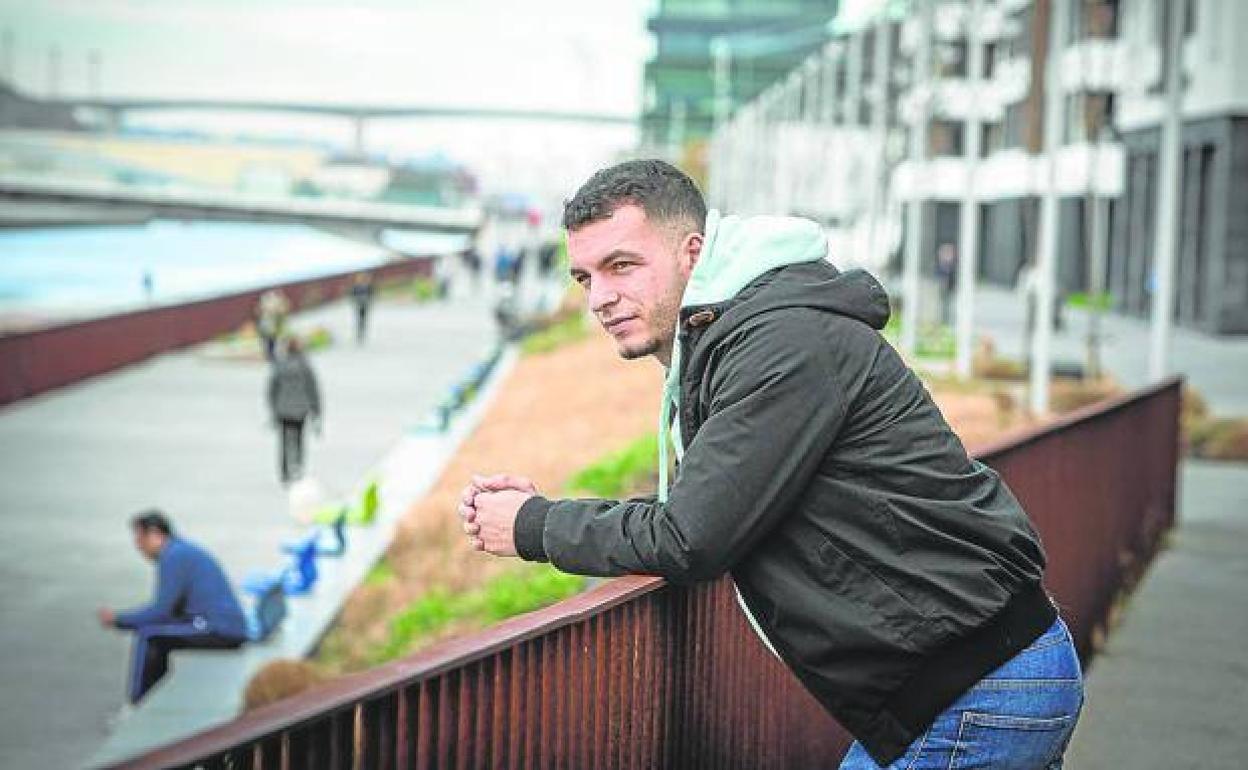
column 1100, row 486
column 32, row 362
column 641, row 674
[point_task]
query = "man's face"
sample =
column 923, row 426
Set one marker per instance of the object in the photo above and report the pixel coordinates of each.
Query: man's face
column 634, row 274
column 149, row 542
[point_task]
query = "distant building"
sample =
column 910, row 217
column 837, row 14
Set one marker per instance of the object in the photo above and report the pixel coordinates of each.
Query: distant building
column 765, row 38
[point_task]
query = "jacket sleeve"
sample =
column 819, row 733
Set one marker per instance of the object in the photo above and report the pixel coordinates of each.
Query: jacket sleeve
column 272, row 393
column 775, row 408
column 171, row 585
column 314, row 392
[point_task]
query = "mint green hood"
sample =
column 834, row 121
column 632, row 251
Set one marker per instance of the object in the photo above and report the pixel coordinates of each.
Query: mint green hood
column 736, row 250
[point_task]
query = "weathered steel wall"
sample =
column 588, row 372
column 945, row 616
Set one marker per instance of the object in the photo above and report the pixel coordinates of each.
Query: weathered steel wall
column 40, row 360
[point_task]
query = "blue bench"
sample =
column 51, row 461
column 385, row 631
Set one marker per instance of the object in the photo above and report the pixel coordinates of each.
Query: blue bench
column 329, row 540
column 296, row 578
column 267, row 609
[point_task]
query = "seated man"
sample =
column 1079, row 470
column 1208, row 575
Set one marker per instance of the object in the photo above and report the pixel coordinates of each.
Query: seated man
column 194, row 604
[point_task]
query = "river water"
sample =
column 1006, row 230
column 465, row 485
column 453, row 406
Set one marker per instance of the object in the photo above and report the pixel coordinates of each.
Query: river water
column 57, row 273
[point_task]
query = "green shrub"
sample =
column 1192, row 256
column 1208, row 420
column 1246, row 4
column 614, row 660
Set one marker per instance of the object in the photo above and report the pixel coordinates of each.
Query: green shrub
column 381, row 572
column 528, row 588
column 1069, row 395
column 510, row 595
column 619, row 473
column 318, row 339
column 1218, row 438
column 934, row 341
column 1228, row 441
column 1098, row 302
column 421, row 618
column 424, row 289
column 997, row 368
column 565, row 331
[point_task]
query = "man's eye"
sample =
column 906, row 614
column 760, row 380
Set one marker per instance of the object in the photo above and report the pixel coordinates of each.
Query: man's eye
column 620, row 267
column 583, row 280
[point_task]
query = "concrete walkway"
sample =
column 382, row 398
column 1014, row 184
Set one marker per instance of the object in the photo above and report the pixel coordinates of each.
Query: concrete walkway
column 188, row 433
column 1170, row 690
column 1216, row 366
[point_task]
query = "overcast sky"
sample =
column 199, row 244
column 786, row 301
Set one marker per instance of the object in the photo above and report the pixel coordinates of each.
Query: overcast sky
column 559, row 54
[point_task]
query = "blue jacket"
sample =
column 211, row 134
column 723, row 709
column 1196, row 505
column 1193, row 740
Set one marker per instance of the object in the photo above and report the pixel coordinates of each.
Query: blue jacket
column 190, row 587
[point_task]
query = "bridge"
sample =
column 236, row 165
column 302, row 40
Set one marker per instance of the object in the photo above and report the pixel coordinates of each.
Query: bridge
column 362, row 111
column 113, row 109
column 196, row 203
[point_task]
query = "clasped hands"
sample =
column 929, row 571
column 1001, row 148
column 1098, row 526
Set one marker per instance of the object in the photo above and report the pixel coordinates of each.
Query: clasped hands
column 488, row 508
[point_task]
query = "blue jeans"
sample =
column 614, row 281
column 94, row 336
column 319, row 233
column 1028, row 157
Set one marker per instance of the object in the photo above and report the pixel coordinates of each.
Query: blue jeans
column 1019, row 717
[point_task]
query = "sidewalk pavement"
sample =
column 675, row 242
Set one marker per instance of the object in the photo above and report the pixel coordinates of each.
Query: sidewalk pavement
column 1216, row 366
column 188, row 433
column 1170, row 689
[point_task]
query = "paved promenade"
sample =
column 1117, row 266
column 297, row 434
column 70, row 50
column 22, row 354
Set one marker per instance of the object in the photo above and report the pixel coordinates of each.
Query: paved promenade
column 1170, row 690
column 1216, row 366
column 186, row 432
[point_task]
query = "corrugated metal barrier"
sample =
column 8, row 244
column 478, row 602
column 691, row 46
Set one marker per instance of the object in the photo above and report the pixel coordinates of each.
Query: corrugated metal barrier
column 641, row 674
column 36, row 361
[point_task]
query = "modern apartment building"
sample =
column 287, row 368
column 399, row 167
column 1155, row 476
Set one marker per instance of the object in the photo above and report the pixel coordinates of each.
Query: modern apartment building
column 1111, row 64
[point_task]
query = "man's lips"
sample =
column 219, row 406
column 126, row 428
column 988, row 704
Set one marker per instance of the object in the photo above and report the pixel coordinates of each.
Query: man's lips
column 615, row 324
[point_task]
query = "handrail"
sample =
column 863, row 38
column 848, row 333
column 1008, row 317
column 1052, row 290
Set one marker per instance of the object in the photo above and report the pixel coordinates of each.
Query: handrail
column 640, row 673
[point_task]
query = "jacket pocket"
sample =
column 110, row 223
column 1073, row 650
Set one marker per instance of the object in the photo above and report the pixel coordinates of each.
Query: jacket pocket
column 891, row 615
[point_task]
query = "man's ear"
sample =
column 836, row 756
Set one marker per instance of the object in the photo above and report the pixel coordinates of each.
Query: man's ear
column 691, row 250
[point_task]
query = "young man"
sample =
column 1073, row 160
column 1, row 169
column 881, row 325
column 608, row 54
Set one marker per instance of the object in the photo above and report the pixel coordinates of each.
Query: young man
column 898, row 579
column 194, row 605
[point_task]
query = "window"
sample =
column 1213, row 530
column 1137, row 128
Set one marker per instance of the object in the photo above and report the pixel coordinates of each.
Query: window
column 1087, row 114
column 950, row 60
column 1012, row 127
column 991, row 52
column 992, row 139
column 1017, row 41
column 945, row 138
column 1092, row 19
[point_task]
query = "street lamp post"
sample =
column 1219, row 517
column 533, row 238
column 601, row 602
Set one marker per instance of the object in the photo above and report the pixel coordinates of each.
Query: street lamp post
column 1167, row 195
column 968, row 227
column 1046, row 262
column 921, row 94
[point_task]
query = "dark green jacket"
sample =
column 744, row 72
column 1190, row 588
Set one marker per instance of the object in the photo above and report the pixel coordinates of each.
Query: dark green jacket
column 888, row 570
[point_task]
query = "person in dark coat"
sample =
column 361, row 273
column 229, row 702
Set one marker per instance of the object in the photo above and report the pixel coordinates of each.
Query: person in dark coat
column 362, row 292
column 194, row 607
column 294, row 397
column 897, row 578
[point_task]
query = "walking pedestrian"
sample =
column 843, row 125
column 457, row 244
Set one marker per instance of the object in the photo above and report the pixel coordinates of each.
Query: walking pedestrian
column 271, row 312
column 362, row 293
column 294, row 396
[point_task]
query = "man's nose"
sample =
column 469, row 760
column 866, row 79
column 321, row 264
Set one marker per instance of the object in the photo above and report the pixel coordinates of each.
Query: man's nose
column 601, row 297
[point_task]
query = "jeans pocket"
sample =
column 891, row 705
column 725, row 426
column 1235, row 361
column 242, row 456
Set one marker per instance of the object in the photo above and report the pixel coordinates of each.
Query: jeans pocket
column 1009, row 742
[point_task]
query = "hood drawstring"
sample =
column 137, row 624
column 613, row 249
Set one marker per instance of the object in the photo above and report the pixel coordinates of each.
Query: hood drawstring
column 670, row 400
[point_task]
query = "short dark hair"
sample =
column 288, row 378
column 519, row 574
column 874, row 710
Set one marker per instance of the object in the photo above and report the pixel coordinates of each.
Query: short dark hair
column 151, row 519
column 663, row 191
